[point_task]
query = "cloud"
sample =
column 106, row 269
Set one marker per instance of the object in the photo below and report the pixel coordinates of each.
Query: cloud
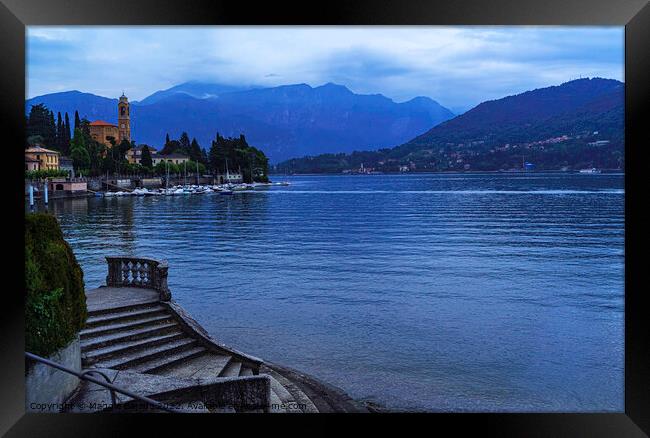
column 457, row 66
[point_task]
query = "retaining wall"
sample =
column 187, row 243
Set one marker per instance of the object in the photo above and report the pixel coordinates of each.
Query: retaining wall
column 46, row 388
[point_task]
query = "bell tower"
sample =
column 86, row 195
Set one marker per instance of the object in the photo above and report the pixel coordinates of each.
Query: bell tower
column 123, row 119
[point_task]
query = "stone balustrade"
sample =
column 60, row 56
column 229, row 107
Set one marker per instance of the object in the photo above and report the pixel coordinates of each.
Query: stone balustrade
column 139, row 272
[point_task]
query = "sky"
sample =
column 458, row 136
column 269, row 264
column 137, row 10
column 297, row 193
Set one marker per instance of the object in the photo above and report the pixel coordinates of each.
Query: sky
column 457, row 66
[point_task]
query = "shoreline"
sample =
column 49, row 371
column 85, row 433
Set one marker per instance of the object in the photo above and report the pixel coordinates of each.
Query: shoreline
column 460, row 172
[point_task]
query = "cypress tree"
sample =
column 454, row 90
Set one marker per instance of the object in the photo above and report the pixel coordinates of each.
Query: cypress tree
column 185, row 143
column 50, row 131
column 77, row 120
column 145, row 158
column 38, row 123
column 66, row 135
column 59, row 133
column 195, row 151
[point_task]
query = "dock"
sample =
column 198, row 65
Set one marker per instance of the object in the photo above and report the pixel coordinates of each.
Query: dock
column 139, row 337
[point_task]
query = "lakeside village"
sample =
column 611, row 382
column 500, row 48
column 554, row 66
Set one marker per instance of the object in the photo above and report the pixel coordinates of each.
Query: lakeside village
column 101, row 159
column 455, row 161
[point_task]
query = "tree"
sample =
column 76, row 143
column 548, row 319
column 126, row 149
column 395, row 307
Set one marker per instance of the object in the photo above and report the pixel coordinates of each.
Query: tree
column 77, row 120
column 195, row 152
column 160, row 168
column 78, row 151
column 96, row 151
column 59, row 132
column 235, row 153
column 145, row 158
column 34, row 140
column 66, row 135
column 51, row 138
column 119, row 155
column 216, row 155
column 85, row 129
column 170, row 147
column 192, row 167
column 41, row 122
column 184, row 142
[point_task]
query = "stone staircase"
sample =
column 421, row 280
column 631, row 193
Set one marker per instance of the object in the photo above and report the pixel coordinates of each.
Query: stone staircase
column 147, row 338
column 147, row 341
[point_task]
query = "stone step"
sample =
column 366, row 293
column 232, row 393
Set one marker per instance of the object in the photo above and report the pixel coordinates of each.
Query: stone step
column 132, row 360
column 286, row 401
column 232, row 369
column 276, row 403
column 124, row 326
column 125, row 308
column 245, row 371
column 331, row 400
column 128, row 315
column 298, row 395
column 129, row 335
column 206, row 367
column 159, row 364
column 129, row 346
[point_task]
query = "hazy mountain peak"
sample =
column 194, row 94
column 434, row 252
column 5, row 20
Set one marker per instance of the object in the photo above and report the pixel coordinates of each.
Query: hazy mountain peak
column 196, row 89
column 285, row 121
column 421, row 100
column 331, row 86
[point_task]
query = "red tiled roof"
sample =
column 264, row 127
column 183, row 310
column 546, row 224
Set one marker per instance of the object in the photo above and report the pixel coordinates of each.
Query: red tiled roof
column 39, row 150
column 101, row 123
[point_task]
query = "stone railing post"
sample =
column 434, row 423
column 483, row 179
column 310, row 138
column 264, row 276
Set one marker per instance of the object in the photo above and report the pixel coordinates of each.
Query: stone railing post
column 160, row 278
column 139, row 272
column 113, row 276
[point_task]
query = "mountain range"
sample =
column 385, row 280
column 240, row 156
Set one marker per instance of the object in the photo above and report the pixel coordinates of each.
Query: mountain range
column 575, row 124
column 285, row 121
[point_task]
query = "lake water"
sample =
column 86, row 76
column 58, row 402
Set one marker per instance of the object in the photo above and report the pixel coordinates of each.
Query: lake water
column 454, row 292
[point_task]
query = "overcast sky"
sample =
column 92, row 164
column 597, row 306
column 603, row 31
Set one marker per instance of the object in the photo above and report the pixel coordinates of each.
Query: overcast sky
column 457, row 66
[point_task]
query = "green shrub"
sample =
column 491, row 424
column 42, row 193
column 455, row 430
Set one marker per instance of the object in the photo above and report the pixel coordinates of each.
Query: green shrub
column 45, row 173
column 55, row 304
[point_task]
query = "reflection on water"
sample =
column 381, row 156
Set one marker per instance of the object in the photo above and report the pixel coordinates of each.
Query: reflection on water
column 434, row 292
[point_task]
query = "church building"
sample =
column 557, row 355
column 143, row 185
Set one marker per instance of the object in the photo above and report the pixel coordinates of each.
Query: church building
column 102, row 131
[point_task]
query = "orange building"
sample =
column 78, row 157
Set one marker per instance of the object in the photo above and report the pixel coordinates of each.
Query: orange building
column 101, row 131
column 124, row 118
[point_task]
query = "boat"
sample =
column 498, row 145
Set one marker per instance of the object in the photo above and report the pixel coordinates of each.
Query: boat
column 140, row 192
column 592, row 170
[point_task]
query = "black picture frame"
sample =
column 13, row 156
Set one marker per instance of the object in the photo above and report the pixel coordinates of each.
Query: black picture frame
column 633, row 14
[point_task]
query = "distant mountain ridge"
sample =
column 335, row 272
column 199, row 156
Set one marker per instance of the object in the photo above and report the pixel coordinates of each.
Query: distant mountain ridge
column 556, row 126
column 497, row 120
column 196, row 89
column 284, row 121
